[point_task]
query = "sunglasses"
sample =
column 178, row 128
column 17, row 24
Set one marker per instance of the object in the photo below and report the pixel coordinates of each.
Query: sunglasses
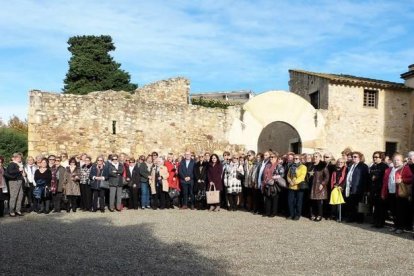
column 52, row 159
column 100, row 159
column 114, row 159
column 355, row 156
column 375, row 157
column 296, row 158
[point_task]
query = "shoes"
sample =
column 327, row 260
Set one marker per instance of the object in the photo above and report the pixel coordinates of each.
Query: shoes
column 111, row 210
column 296, row 218
column 217, row 209
column 19, row 214
column 392, row 229
column 312, row 218
column 399, row 231
column 290, row 217
column 102, row 210
column 318, row 218
column 12, row 215
column 184, row 207
column 192, row 208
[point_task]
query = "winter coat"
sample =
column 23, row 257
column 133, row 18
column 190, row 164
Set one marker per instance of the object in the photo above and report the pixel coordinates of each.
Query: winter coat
column 320, row 177
column 232, row 177
column 144, row 172
column 299, row 177
column 360, row 179
column 173, row 175
column 115, row 176
column 96, row 184
column 376, row 173
column 214, row 174
column 249, row 174
column 71, row 183
column 406, row 177
column 200, row 176
column 163, row 173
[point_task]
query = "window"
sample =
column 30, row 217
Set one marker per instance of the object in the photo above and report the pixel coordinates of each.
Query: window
column 113, row 127
column 371, row 98
column 390, row 148
column 314, row 99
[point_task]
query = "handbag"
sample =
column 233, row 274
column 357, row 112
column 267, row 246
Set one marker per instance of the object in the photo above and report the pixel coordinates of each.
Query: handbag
column 104, row 184
column 173, row 193
column 212, row 195
column 281, row 182
column 303, row 185
column 125, row 194
column 404, row 190
column 336, row 197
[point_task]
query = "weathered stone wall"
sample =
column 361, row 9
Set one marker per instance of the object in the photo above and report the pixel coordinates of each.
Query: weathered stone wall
column 304, row 85
column 155, row 117
column 367, row 129
column 349, row 124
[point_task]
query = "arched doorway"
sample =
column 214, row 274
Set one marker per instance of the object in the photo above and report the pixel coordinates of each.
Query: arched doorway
column 284, row 107
column 280, row 137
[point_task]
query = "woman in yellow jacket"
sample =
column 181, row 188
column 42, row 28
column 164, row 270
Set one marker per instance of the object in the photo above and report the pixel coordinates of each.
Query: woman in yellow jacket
column 296, row 175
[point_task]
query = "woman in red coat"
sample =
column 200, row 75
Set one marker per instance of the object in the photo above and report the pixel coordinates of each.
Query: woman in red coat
column 214, row 177
column 398, row 203
column 173, row 183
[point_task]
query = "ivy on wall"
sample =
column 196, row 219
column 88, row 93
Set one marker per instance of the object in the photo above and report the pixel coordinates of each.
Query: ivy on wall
column 211, row 103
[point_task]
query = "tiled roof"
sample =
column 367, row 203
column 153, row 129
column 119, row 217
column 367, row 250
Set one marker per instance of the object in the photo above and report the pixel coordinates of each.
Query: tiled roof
column 355, row 81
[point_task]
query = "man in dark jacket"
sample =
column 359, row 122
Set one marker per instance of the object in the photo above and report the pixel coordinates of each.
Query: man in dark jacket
column 186, row 174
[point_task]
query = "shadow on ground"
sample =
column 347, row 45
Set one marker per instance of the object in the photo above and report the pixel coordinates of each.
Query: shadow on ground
column 56, row 245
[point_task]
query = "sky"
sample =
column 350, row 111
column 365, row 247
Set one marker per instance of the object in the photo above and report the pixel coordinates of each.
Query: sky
column 218, row 45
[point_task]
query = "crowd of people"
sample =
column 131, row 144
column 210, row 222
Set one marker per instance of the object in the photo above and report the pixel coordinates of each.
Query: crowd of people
column 290, row 185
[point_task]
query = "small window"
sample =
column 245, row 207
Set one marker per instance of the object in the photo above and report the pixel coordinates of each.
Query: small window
column 371, row 98
column 315, row 99
column 390, row 148
column 113, row 127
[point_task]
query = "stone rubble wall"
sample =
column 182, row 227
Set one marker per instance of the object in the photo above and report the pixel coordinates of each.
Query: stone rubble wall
column 154, row 118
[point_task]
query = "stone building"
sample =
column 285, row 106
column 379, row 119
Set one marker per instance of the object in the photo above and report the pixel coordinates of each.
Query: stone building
column 238, row 97
column 322, row 112
column 361, row 113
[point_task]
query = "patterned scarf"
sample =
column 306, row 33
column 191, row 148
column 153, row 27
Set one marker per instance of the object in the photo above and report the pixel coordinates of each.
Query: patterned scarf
column 53, row 183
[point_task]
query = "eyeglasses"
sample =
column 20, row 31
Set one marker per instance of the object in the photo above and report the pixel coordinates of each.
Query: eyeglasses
column 114, row 159
column 296, row 158
column 100, row 159
column 375, row 157
column 327, row 157
column 355, row 156
column 52, row 159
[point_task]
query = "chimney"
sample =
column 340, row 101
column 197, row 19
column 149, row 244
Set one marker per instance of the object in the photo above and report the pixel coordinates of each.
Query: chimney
column 409, row 76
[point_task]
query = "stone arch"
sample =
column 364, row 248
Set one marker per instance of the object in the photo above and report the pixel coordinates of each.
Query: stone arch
column 286, row 107
column 280, row 137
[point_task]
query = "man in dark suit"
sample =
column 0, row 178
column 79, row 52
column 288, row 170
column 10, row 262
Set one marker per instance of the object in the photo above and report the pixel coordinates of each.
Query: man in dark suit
column 186, row 175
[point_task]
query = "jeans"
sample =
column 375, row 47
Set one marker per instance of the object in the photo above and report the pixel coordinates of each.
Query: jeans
column 145, row 197
column 187, row 191
column 295, row 199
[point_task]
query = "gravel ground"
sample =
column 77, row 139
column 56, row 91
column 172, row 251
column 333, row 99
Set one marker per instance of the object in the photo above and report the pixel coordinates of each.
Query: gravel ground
column 177, row 242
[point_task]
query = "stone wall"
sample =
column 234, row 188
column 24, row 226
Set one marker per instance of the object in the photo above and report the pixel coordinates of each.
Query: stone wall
column 304, row 85
column 154, row 118
column 349, row 124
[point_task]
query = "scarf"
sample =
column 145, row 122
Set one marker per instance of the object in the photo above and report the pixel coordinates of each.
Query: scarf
column 391, row 180
column 349, row 180
column 293, row 168
column 53, row 182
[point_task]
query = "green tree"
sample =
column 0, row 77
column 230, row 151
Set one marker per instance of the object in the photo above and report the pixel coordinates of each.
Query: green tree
column 91, row 68
column 11, row 141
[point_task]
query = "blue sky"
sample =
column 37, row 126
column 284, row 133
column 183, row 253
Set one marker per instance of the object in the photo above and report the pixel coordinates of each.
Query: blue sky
column 219, row 45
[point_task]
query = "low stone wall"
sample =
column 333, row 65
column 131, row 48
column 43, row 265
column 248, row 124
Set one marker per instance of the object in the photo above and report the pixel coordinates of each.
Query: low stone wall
column 155, row 117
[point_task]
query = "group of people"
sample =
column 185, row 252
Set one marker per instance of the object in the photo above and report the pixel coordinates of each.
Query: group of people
column 293, row 185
